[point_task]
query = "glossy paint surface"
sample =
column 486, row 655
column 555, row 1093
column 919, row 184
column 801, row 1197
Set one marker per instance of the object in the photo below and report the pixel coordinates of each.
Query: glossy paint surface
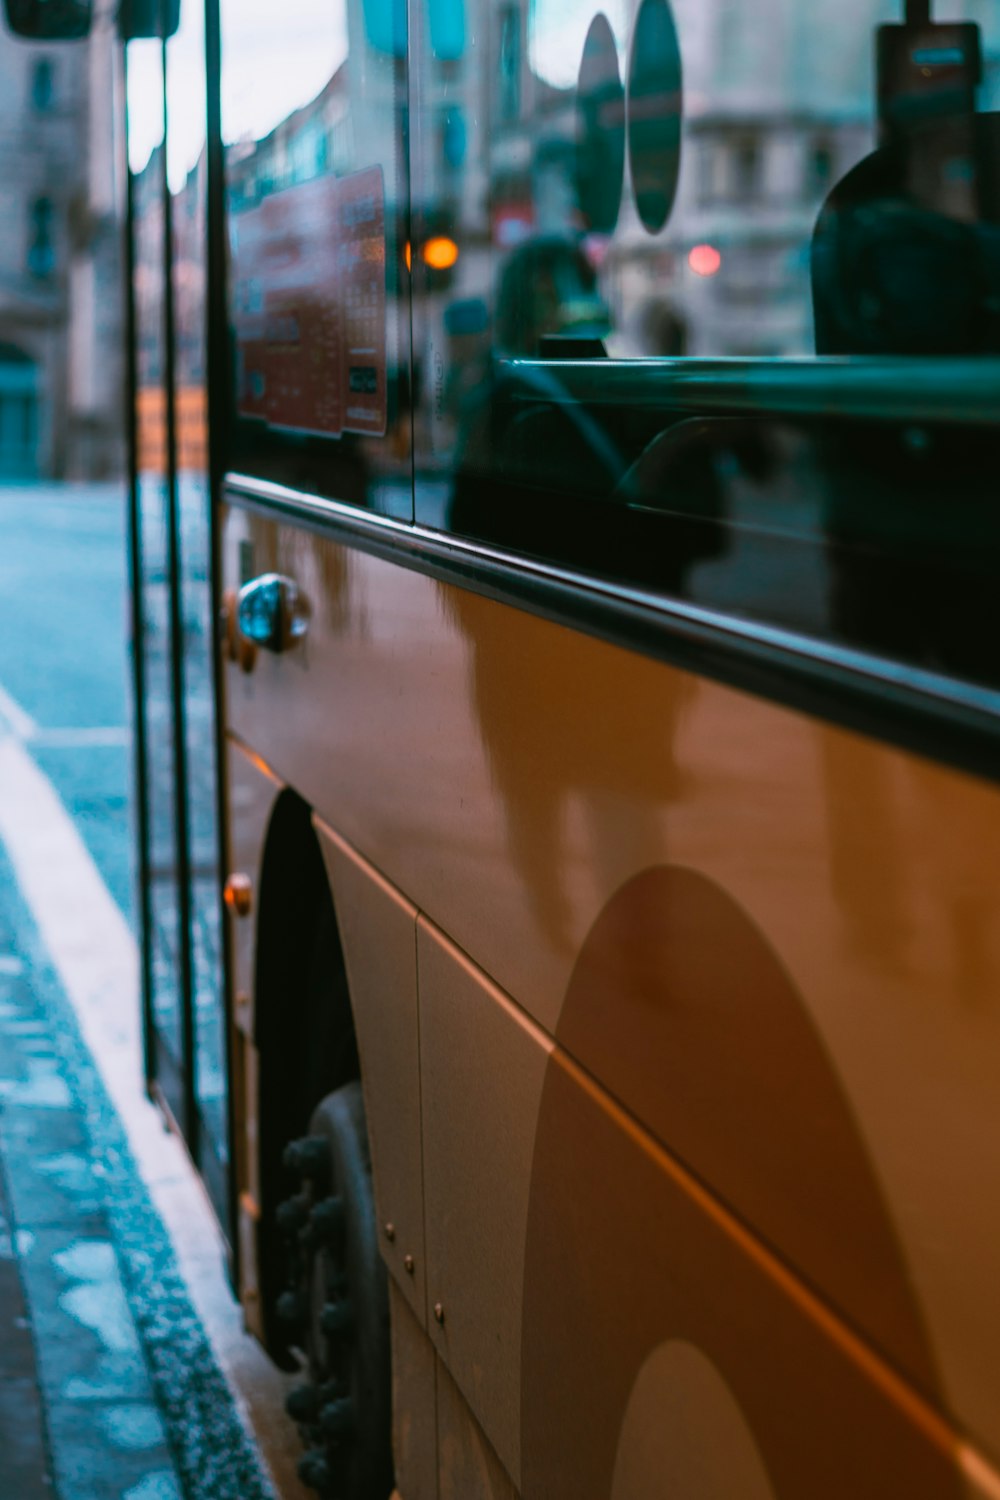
column 765, row 950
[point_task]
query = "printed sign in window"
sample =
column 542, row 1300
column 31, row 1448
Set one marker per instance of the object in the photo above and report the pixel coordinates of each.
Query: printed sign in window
column 310, row 306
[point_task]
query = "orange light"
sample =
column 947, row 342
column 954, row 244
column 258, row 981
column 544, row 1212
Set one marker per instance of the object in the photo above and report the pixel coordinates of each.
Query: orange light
column 704, row 260
column 408, row 256
column 440, row 253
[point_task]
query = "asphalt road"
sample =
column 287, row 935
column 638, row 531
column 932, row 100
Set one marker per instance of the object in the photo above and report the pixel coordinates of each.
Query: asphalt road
column 64, row 655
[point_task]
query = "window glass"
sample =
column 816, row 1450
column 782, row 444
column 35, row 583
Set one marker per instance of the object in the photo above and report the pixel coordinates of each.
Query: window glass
column 313, row 101
column 43, row 84
column 144, row 72
column 41, row 246
column 188, row 186
column 709, row 257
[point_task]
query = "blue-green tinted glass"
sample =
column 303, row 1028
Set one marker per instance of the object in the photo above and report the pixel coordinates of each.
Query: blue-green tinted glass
column 735, row 267
column 314, row 111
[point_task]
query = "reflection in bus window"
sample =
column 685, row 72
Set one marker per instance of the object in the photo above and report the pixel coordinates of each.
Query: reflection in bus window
column 155, row 548
column 187, row 182
column 317, row 206
column 796, row 184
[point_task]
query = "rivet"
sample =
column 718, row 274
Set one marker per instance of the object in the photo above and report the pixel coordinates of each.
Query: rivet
column 438, row 1313
column 409, row 1264
column 390, row 1232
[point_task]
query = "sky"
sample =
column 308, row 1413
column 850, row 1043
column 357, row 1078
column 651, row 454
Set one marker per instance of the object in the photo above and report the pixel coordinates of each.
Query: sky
column 268, row 71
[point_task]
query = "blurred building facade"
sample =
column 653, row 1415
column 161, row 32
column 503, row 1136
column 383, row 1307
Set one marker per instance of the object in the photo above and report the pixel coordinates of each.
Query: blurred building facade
column 61, row 273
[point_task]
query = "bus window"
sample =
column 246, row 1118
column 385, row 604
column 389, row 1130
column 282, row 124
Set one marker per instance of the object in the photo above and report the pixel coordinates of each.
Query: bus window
column 155, row 553
column 187, row 185
column 312, row 105
column 712, row 367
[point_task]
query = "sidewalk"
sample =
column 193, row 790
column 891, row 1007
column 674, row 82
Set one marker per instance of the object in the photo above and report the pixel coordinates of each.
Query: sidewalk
column 24, row 1467
column 109, row 1388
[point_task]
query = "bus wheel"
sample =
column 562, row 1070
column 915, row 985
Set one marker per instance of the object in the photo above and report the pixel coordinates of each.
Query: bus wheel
column 336, row 1305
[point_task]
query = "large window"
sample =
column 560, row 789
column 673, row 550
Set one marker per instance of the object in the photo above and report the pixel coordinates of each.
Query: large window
column 721, row 317
column 313, row 99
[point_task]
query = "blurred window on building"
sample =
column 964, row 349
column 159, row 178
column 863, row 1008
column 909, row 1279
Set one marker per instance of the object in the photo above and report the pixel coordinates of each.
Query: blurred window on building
column 747, row 169
column 43, row 85
column 18, row 414
column 757, row 274
column 711, row 170
column 821, row 165
column 509, row 97
column 41, row 244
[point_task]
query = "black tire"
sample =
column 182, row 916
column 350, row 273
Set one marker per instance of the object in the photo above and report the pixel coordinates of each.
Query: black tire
column 340, row 1271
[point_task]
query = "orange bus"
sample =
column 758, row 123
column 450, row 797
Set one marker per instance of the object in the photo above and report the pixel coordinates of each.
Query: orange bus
column 598, row 532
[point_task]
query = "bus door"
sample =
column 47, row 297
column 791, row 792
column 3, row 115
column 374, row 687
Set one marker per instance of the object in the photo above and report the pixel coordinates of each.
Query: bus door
column 177, row 764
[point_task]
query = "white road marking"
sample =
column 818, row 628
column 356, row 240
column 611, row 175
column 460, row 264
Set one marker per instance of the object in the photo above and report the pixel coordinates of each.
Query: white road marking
column 19, row 721
column 81, row 739
column 80, row 923
column 75, row 737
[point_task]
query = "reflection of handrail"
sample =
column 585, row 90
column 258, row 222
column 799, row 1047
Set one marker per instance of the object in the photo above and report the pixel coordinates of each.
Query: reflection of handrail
column 913, row 390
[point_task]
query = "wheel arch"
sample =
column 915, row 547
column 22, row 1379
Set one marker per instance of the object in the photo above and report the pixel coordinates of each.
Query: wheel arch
column 304, row 1027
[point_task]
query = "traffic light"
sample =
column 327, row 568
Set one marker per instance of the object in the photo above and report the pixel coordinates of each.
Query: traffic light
column 437, row 250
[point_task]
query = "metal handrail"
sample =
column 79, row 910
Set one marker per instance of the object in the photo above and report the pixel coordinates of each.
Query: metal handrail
column 915, row 390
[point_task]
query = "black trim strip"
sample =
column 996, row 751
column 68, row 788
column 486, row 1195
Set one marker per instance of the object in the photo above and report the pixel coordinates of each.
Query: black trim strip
column 933, row 716
column 909, row 390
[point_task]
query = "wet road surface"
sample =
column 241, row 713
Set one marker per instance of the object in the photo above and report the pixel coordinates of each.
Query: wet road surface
column 110, row 1388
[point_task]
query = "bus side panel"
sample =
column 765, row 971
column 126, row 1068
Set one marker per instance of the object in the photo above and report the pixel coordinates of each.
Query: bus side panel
column 414, row 1403
column 253, row 791
column 482, row 1065
column 470, row 1469
column 612, row 1326
column 545, row 797
column 666, row 1352
column 378, row 932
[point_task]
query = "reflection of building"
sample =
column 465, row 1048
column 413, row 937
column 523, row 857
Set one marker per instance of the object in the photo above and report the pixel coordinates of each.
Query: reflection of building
column 316, row 262
column 317, row 138
column 778, row 104
column 778, row 107
column 150, row 338
column 60, row 263
column 190, row 237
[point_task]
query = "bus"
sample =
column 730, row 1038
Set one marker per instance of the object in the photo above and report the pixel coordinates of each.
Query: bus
column 565, row 531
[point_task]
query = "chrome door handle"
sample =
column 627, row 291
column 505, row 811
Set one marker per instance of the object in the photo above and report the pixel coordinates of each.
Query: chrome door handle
column 273, row 612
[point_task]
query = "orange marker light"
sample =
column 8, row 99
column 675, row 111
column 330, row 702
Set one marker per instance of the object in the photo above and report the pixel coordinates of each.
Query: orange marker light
column 408, row 256
column 704, row 260
column 440, row 253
